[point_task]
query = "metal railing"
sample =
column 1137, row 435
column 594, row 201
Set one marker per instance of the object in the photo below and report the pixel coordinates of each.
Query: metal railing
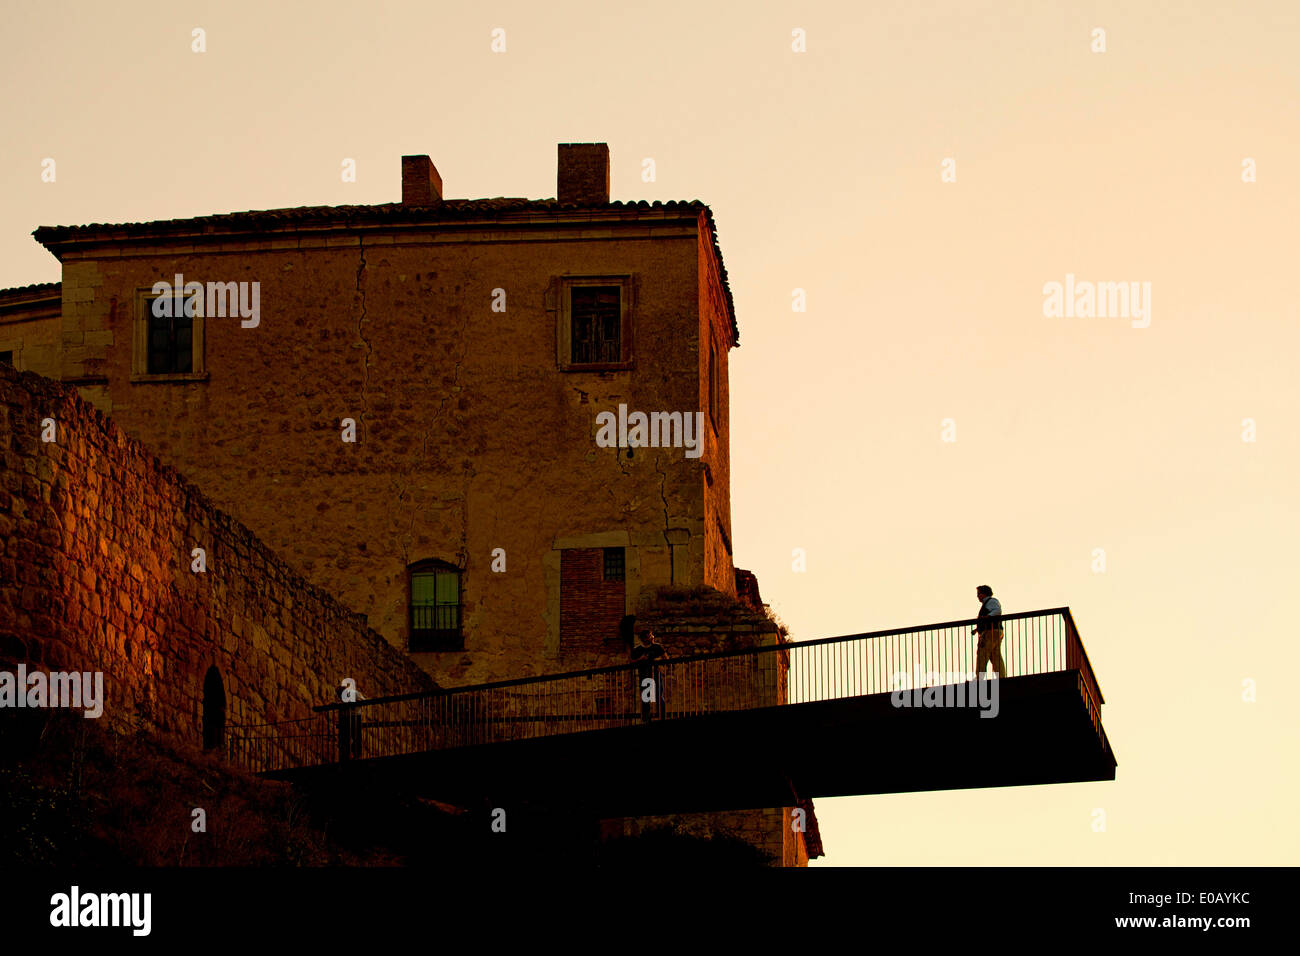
column 1033, row 642
column 305, row 742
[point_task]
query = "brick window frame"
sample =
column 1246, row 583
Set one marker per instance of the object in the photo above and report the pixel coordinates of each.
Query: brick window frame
column 564, row 323
column 142, row 310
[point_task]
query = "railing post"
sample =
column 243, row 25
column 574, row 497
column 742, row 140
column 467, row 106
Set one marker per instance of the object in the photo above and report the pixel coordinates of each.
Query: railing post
column 1077, row 659
column 659, row 690
column 345, row 734
column 647, row 670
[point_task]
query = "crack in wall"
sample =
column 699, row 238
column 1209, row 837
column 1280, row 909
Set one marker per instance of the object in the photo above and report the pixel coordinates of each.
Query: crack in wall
column 415, row 513
column 464, row 510
column 672, row 557
column 397, row 486
column 361, row 319
column 422, row 463
column 625, row 508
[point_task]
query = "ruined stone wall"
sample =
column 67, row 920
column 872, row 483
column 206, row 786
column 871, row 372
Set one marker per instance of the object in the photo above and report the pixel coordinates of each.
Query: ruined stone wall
column 96, row 575
column 694, row 621
column 470, row 438
column 768, row 829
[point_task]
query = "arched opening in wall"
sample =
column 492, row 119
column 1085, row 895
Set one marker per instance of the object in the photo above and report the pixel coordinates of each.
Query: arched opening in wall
column 214, row 710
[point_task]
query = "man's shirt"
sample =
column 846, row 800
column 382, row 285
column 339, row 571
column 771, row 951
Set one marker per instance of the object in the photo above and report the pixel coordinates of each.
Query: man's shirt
column 989, row 608
column 645, row 653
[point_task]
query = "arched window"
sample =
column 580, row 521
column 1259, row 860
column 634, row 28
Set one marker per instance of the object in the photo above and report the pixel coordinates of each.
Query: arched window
column 214, row 710
column 435, row 607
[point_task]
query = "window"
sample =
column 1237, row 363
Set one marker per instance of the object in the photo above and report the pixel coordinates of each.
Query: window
column 6, row 358
column 168, row 339
column 595, row 330
column 597, row 317
column 171, row 346
column 214, row 710
column 435, row 607
column 614, row 567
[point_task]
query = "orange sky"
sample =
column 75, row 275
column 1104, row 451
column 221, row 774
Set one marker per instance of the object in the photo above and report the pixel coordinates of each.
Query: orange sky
column 925, row 302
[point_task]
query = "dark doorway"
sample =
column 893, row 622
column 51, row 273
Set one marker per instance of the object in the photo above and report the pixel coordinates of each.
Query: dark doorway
column 214, row 710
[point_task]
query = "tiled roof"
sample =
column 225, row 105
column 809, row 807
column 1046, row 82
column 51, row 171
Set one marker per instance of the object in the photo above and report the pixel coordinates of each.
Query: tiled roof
column 449, row 210
column 27, row 291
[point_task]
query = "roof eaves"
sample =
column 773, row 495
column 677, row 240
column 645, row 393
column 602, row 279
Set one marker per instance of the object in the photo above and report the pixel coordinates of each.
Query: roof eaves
column 35, row 292
column 451, row 210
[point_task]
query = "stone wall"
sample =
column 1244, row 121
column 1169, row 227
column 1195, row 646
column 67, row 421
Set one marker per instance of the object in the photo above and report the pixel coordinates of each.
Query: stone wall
column 715, row 329
column 469, row 438
column 30, row 329
column 701, row 621
column 96, row 575
column 770, row 830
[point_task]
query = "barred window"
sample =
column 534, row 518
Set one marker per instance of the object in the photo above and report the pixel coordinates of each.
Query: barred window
column 615, row 569
column 435, row 607
column 597, row 315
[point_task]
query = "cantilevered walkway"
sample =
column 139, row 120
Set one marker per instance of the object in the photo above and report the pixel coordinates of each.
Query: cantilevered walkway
column 881, row 712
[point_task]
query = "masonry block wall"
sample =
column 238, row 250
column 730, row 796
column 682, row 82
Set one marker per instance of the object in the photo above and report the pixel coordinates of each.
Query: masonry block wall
column 591, row 605
column 96, row 576
column 583, row 174
column 30, row 328
column 770, row 830
column 469, row 438
column 716, row 339
column 438, row 327
column 695, row 622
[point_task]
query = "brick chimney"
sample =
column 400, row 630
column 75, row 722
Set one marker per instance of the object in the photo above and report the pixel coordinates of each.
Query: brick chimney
column 583, row 173
column 421, row 184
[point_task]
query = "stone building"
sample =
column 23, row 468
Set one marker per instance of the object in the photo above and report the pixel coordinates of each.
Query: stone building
column 494, row 427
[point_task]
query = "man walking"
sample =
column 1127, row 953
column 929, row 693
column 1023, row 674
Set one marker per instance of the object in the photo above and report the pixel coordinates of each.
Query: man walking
column 989, row 629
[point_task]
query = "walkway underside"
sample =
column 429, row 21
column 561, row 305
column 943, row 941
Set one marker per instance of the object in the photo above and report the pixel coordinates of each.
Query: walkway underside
column 765, row 758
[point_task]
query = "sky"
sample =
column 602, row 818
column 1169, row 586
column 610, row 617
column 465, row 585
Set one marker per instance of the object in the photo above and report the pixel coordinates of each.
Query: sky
column 923, row 426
